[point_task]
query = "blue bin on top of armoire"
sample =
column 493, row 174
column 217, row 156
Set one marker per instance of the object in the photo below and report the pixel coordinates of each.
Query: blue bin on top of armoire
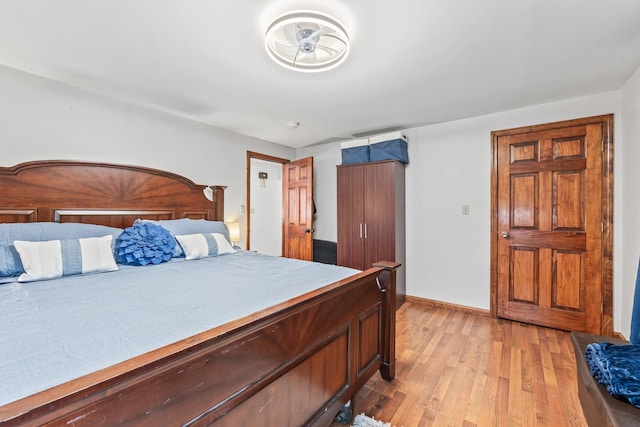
column 389, row 146
column 355, row 151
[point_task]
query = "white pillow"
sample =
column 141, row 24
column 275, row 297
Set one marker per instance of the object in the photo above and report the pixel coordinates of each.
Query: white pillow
column 57, row 258
column 204, row 245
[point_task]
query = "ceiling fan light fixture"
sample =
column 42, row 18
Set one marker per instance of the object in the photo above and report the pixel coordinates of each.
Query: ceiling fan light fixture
column 307, row 41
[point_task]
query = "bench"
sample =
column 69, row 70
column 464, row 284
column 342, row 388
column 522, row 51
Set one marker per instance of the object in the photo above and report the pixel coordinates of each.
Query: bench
column 599, row 407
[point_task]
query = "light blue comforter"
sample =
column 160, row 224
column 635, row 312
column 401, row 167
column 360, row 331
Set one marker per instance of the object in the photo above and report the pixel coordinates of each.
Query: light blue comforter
column 57, row 330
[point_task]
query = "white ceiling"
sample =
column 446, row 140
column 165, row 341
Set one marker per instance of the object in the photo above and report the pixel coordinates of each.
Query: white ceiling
column 412, row 62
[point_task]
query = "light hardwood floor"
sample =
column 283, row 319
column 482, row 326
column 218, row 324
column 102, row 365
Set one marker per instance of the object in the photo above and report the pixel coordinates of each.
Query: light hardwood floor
column 459, row 369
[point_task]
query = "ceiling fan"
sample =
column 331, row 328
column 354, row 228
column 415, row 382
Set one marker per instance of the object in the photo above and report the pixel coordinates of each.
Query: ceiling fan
column 307, row 41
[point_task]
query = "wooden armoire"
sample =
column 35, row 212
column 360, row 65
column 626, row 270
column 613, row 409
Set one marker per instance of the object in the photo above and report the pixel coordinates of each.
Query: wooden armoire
column 371, row 225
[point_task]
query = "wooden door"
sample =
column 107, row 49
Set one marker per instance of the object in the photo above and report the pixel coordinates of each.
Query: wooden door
column 351, row 217
column 552, row 221
column 297, row 178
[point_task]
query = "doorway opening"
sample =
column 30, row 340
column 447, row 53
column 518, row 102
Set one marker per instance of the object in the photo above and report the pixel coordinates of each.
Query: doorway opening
column 264, row 203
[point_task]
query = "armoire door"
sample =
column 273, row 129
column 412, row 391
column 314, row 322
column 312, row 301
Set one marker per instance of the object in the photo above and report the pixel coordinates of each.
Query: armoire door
column 552, row 224
column 351, row 217
column 379, row 212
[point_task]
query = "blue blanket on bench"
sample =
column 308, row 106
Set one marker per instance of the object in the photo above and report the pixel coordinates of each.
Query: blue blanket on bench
column 618, row 368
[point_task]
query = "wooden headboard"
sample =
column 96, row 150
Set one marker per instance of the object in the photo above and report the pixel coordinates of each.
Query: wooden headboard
column 101, row 193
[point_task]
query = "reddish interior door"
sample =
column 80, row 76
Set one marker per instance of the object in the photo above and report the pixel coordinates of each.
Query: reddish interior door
column 550, row 227
column 298, row 209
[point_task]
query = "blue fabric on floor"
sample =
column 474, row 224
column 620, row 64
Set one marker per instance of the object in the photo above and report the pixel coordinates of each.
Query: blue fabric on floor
column 635, row 315
column 618, row 368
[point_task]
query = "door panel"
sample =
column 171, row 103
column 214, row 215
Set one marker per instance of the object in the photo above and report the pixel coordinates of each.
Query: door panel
column 524, row 189
column 298, row 209
column 351, row 214
column 549, row 226
column 568, row 283
column 379, row 230
column 523, row 286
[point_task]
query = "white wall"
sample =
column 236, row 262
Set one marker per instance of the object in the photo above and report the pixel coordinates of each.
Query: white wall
column 448, row 254
column 266, row 208
column 626, row 259
column 43, row 119
column 325, row 181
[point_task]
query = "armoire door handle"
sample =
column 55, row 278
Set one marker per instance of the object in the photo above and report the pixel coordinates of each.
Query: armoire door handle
column 361, row 230
column 365, row 230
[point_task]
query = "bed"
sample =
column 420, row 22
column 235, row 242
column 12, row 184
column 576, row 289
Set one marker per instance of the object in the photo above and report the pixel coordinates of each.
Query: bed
column 293, row 362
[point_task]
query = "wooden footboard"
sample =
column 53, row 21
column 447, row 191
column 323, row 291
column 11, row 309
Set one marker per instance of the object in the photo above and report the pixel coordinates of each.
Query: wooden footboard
column 294, row 364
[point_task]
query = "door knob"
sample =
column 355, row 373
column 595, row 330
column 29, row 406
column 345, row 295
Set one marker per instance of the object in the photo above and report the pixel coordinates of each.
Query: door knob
column 504, row 234
column 309, row 230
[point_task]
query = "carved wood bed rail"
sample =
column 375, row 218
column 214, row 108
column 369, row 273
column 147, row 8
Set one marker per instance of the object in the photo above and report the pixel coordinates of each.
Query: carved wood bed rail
column 296, row 363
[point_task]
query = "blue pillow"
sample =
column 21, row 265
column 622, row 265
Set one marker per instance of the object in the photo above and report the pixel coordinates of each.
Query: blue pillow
column 145, row 243
column 183, row 226
column 10, row 264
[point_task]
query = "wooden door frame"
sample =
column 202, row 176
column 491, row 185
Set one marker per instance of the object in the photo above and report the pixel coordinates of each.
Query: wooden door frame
column 258, row 156
column 607, row 209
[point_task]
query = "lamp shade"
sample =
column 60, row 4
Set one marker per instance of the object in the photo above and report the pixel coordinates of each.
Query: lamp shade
column 234, row 231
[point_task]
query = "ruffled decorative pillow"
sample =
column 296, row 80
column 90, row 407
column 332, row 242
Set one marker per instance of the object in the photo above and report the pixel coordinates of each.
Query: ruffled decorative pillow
column 144, row 243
